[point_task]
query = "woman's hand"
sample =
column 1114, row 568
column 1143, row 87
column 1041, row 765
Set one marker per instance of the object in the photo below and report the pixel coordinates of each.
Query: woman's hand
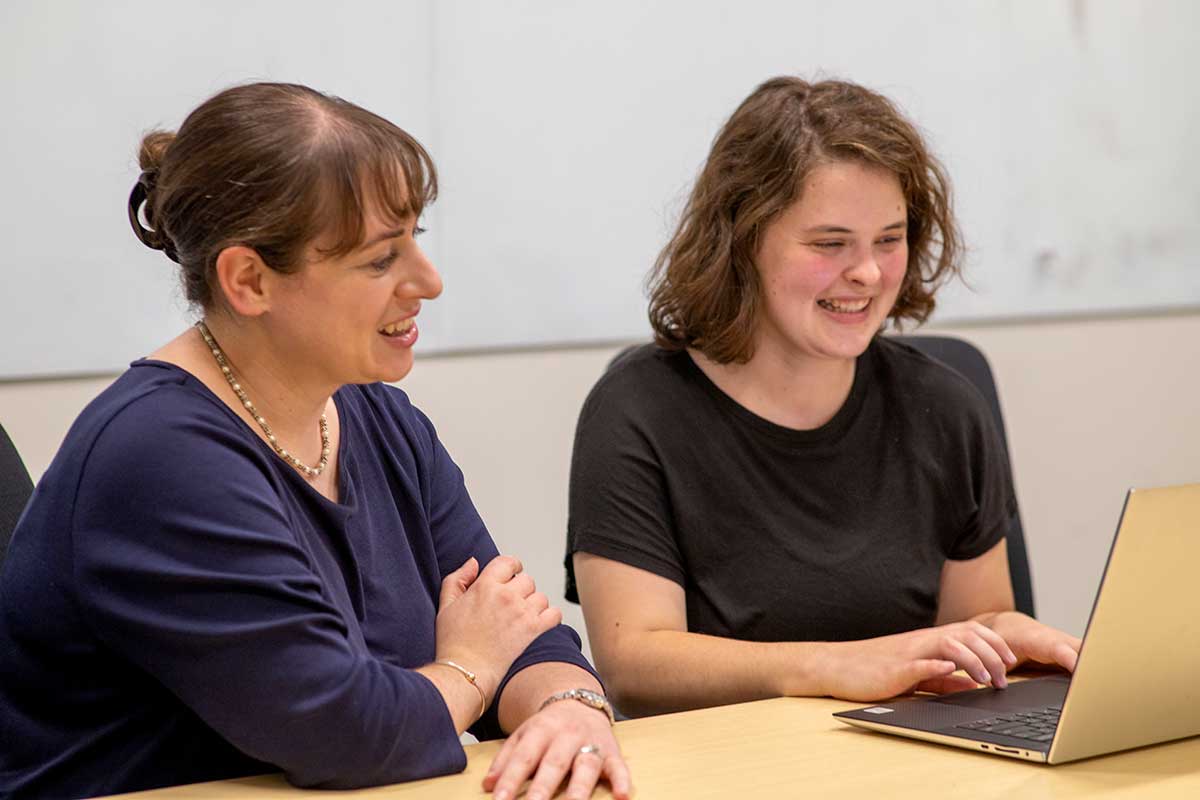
column 554, row 743
column 1030, row 640
column 486, row 619
column 921, row 660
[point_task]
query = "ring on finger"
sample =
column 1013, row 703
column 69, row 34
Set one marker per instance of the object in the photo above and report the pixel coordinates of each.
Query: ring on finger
column 590, row 749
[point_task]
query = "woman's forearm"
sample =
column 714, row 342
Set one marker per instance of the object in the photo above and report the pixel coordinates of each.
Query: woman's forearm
column 655, row 672
column 521, row 698
column 525, row 692
column 461, row 697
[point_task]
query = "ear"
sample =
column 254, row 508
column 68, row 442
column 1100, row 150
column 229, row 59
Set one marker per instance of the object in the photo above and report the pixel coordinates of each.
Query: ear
column 243, row 279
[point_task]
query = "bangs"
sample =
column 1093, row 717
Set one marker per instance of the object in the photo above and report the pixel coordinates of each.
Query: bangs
column 371, row 167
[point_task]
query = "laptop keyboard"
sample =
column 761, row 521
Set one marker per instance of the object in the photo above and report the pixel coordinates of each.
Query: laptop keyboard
column 1036, row 725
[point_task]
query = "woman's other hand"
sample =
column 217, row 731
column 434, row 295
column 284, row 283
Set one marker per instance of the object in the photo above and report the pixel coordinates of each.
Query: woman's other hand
column 553, row 744
column 1030, row 640
column 487, row 618
column 926, row 660
column 920, row 660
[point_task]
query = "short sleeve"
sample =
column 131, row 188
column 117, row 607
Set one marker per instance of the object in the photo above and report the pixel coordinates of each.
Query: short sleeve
column 619, row 505
column 992, row 503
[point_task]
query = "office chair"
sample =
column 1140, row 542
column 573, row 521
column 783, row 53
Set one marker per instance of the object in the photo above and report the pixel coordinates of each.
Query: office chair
column 15, row 489
column 966, row 359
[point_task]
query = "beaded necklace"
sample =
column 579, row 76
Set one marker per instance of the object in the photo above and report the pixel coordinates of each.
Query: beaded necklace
column 305, row 470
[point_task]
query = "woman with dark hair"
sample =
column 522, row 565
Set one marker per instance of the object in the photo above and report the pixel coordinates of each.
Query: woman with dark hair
column 250, row 553
column 772, row 499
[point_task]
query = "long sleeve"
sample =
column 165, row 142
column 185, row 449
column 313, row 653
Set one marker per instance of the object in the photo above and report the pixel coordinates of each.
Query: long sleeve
column 189, row 565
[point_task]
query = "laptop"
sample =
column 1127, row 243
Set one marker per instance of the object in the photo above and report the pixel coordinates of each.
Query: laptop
column 1135, row 681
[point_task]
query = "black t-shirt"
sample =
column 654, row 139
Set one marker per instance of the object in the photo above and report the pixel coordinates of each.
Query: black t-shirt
column 775, row 534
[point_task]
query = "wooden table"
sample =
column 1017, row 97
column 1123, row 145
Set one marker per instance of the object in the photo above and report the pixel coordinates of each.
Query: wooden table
column 791, row 747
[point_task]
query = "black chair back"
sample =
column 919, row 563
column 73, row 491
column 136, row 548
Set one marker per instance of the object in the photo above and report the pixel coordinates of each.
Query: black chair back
column 15, row 489
column 966, row 359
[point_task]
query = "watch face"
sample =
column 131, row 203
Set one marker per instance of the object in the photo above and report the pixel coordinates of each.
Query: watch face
column 594, row 699
column 587, row 697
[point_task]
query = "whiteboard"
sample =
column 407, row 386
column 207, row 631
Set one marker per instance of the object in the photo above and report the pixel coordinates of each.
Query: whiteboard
column 567, row 134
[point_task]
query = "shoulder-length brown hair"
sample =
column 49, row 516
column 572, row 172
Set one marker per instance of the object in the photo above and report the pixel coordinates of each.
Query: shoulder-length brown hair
column 272, row 166
column 705, row 291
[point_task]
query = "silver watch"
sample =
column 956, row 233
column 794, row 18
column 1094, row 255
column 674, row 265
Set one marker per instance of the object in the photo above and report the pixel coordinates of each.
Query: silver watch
column 587, row 697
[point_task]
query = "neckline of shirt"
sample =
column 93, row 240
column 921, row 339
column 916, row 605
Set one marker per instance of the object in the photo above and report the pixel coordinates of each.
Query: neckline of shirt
column 831, row 431
column 347, row 502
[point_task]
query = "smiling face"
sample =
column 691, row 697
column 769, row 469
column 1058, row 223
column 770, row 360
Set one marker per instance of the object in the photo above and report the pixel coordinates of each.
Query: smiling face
column 831, row 264
column 352, row 318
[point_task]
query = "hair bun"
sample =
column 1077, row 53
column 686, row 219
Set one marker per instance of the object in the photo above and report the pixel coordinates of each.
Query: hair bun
column 153, row 149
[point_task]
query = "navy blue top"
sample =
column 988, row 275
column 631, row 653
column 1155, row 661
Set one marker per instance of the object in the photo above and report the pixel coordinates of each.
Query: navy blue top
column 178, row 604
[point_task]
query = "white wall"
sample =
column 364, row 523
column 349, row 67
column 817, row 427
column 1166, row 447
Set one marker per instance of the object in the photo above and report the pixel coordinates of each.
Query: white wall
column 567, row 133
column 81, row 83
column 1093, row 407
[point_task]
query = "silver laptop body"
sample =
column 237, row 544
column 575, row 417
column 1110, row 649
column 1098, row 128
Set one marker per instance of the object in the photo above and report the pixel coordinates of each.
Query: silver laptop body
column 1135, row 681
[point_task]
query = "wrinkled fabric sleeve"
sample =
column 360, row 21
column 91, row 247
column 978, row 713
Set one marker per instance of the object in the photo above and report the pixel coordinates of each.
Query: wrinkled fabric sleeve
column 992, row 503
column 188, row 567
column 459, row 533
column 619, row 502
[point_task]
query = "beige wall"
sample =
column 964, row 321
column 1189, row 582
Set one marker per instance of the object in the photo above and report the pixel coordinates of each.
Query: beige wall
column 1093, row 407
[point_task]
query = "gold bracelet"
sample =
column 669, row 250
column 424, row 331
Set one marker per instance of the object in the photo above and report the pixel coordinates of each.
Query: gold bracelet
column 470, row 676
